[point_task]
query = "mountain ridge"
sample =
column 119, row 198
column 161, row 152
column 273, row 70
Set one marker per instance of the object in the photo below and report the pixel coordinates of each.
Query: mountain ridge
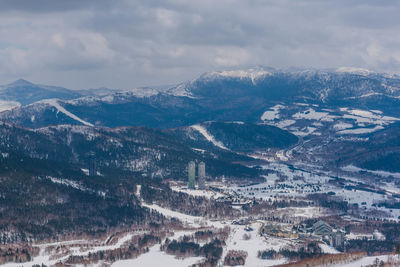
column 227, row 96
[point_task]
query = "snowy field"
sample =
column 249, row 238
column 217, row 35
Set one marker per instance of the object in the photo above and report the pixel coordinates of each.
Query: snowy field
column 197, row 193
column 291, row 183
column 85, row 247
column 254, row 244
column 272, row 114
column 352, row 168
column 236, row 240
column 75, row 247
column 305, row 119
column 154, row 256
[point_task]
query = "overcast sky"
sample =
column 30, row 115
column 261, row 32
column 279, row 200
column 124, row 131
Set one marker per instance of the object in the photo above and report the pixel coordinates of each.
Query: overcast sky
column 125, row 44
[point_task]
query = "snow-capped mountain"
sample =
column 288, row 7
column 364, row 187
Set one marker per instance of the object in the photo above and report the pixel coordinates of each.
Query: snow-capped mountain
column 322, row 105
column 225, row 95
column 25, row 92
column 315, row 85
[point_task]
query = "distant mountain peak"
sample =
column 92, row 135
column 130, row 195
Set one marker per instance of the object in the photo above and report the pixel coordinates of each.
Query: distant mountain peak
column 250, row 73
column 241, row 73
column 353, row 70
column 21, row 82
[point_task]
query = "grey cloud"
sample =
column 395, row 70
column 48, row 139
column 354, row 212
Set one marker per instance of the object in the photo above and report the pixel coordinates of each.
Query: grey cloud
column 127, row 43
column 44, row 6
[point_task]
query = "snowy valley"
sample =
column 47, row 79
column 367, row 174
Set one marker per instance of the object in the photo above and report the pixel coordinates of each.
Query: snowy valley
column 302, row 167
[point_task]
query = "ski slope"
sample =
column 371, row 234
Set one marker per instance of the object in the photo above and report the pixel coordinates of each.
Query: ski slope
column 208, row 136
column 54, row 103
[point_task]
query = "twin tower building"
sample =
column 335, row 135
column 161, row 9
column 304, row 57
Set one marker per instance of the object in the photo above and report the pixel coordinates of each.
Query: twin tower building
column 201, row 175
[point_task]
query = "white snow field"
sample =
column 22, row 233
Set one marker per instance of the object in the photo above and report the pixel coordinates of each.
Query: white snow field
column 352, row 168
column 197, row 193
column 272, row 114
column 193, row 221
column 309, row 119
column 342, row 126
column 311, row 114
column 254, row 244
column 361, row 130
column 155, row 257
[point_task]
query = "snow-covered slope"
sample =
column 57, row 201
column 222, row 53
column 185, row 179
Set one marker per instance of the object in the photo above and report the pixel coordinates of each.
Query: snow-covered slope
column 8, row 105
column 253, row 74
column 54, row 103
column 353, row 70
column 208, row 136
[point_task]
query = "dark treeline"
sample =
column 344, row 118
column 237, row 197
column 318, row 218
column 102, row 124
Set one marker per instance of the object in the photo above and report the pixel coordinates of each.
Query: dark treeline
column 310, row 250
column 36, row 208
column 212, row 251
column 371, row 246
column 329, row 201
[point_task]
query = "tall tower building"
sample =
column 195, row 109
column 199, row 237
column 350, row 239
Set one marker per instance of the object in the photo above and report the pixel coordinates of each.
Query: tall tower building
column 191, row 175
column 202, row 175
column 92, row 167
